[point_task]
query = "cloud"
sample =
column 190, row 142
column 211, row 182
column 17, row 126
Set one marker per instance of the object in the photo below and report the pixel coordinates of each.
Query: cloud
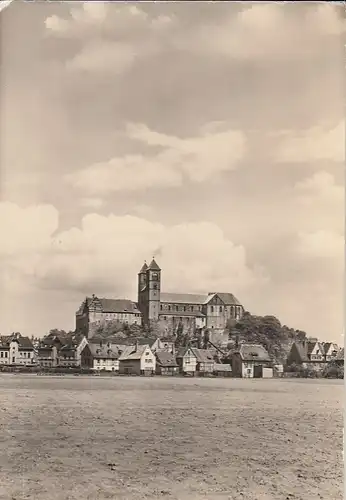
column 324, row 245
column 198, row 158
column 249, row 33
column 314, row 144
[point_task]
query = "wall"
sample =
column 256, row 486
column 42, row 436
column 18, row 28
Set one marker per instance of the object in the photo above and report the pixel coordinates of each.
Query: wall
column 106, row 364
column 130, row 366
column 169, row 323
column 148, row 360
column 189, row 362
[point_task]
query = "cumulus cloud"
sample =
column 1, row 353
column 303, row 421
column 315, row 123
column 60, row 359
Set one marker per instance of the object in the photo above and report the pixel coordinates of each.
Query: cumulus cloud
column 198, row 158
column 316, row 143
column 249, row 34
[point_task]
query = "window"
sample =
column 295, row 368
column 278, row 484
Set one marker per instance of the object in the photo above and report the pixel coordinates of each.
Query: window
column 2, row 354
column 192, row 308
column 220, row 309
column 155, row 286
column 184, row 308
column 180, row 319
column 161, row 307
column 165, row 318
column 177, row 308
column 212, row 309
column 169, row 308
column 6, row 354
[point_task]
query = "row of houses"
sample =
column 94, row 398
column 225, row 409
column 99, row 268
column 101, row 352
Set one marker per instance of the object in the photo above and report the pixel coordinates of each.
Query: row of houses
column 158, row 356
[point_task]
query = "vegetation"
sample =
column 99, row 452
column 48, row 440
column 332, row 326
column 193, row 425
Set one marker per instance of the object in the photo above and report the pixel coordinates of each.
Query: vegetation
column 266, row 331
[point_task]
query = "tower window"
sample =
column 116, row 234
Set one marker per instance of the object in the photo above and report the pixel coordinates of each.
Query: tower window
column 155, row 286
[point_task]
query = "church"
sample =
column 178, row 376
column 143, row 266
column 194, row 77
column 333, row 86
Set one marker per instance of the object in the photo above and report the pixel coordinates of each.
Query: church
column 212, row 310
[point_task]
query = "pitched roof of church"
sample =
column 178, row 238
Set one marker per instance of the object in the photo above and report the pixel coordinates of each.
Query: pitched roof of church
column 183, row 298
column 143, row 268
column 153, row 266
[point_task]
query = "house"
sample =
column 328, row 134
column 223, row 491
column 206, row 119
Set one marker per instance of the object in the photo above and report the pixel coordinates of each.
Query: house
column 137, row 360
column 16, row 350
column 331, row 350
column 222, row 370
column 69, row 355
column 187, row 361
column 204, row 361
column 47, row 356
column 100, row 357
column 308, row 354
column 251, row 361
column 166, row 363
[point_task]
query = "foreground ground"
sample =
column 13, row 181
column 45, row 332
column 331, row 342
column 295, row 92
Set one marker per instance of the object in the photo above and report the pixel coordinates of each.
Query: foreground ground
column 134, row 438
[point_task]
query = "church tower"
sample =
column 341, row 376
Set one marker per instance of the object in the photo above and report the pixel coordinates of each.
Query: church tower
column 143, row 292
column 154, row 289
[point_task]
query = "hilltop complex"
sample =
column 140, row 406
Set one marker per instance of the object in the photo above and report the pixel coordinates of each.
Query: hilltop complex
column 212, row 310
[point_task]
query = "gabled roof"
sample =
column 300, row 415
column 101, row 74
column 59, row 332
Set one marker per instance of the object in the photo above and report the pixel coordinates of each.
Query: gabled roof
column 228, row 299
column 133, row 353
column 253, row 352
column 183, row 298
column 153, row 266
column 330, row 346
column 103, row 352
column 114, row 305
column 183, row 350
column 203, row 355
column 166, row 359
column 143, row 268
column 23, row 342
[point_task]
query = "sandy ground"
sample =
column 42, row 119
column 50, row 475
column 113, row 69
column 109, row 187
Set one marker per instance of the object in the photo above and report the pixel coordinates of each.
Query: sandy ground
column 174, row 439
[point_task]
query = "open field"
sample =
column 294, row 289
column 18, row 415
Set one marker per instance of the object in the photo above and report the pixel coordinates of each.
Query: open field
column 174, row 439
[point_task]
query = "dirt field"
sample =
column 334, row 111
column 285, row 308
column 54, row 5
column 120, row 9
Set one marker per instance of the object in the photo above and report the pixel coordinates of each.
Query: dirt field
column 175, row 439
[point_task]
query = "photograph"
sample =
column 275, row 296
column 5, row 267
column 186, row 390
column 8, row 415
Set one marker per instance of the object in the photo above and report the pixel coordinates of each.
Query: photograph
column 172, row 253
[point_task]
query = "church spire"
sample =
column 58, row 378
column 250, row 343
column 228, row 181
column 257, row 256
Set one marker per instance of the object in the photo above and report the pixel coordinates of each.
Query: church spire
column 153, row 265
column 144, row 268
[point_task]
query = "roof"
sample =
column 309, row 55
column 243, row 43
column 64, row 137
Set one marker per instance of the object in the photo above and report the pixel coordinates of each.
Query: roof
column 23, row 342
column 183, row 298
column 103, row 352
column 123, row 341
column 228, row 299
column 143, row 268
column 330, row 346
column 253, row 352
column 115, row 305
column 203, row 355
column 153, row 266
column 165, row 358
column 220, row 367
column 182, row 351
column 131, row 353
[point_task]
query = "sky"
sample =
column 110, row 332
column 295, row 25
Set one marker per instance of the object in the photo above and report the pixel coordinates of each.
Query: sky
column 208, row 135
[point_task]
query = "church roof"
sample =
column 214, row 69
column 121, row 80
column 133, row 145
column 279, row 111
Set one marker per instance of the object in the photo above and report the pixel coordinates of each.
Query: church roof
column 183, row 298
column 115, row 305
column 153, row 266
column 144, row 268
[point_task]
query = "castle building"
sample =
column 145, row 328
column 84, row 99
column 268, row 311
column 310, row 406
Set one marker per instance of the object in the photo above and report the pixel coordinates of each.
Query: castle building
column 193, row 311
column 212, row 310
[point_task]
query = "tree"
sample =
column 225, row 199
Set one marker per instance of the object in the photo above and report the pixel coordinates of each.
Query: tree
column 267, row 331
column 206, row 339
column 180, row 335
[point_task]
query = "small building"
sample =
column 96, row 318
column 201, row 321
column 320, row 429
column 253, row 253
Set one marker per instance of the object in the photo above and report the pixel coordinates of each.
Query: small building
column 137, row 360
column 250, row 361
column 166, row 363
column 16, row 350
column 100, row 358
column 69, row 355
column 331, row 351
column 47, row 356
column 308, row 354
column 278, row 370
column 187, row 361
column 204, row 361
column 222, row 370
